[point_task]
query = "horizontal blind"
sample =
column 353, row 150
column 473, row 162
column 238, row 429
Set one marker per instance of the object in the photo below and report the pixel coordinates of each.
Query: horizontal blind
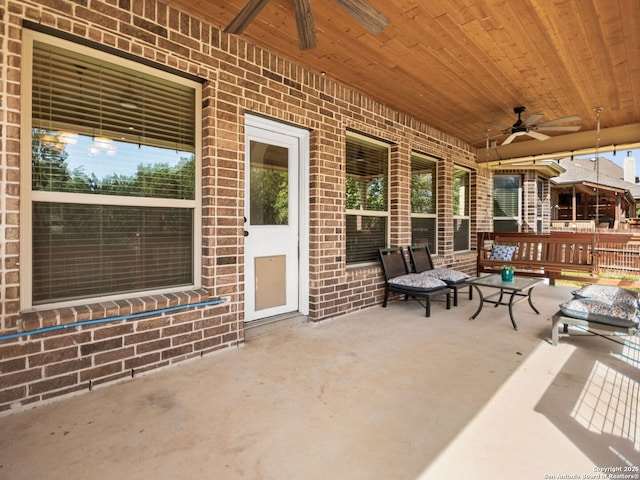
column 505, row 196
column 423, row 232
column 461, row 193
column 82, row 251
column 423, row 193
column 364, row 236
column 367, row 193
column 89, row 96
column 102, row 129
column 367, row 166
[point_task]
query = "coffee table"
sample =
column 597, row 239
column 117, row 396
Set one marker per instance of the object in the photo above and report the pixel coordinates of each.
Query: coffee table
column 520, row 287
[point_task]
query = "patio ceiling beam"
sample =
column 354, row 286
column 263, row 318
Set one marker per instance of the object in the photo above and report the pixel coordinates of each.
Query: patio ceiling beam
column 580, row 143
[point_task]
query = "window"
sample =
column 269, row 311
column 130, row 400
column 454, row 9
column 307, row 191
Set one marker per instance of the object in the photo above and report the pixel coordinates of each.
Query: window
column 423, row 201
column 112, row 194
column 461, row 209
column 506, row 203
column 539, row 204
column 366, row 198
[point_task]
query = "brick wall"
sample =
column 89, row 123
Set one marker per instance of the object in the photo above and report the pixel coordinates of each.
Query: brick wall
column 239, row 78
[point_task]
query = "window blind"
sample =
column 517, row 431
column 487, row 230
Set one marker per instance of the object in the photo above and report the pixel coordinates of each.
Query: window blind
column 92, row 97
column 423, row 194
column 99, row 131
column 505, row 196
column 366, row 198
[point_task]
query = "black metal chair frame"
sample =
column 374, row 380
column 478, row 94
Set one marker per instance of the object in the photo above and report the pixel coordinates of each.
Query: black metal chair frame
column 394, row 264
column 421, row 261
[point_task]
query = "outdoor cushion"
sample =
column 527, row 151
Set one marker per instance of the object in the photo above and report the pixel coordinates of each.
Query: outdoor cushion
column 618, row 314
column 607, row 293
column 502, row 252
column 447, row 275
column 417, row 282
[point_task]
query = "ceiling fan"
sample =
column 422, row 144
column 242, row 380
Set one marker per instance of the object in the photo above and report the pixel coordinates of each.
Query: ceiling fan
column 532, row 129
column 368, row 16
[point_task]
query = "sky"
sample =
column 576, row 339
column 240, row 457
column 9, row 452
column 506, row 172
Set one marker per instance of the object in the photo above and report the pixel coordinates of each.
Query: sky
column 619, row 157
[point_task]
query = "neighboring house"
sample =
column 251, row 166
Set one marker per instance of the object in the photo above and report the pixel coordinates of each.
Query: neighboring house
column 166, row 185
column 594, row 191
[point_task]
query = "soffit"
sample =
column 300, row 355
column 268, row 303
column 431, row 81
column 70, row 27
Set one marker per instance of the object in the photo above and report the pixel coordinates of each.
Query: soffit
column 461, row 66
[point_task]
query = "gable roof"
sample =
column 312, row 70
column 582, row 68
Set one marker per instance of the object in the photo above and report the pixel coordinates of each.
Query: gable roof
column 606, row 173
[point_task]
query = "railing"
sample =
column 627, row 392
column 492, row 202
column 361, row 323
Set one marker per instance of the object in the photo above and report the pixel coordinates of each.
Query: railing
column 577, row 226
column 616, row 255
column 629, row 225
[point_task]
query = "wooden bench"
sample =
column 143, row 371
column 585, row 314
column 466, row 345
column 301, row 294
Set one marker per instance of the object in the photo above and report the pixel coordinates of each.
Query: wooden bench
column 554, row 256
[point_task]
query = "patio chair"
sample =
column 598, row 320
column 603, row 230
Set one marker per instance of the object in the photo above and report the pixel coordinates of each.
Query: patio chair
column 422, row 262
column 398, row 278
column 598, row 307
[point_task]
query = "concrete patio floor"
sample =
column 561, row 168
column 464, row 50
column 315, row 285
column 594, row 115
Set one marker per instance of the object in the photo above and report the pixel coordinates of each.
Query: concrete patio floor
column 379, row 394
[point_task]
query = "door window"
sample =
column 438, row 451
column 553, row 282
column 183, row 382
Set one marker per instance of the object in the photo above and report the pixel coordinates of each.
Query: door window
column 269, row 179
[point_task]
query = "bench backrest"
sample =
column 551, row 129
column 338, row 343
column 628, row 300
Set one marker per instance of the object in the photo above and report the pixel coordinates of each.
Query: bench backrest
column 571, row 252
column 549, row 249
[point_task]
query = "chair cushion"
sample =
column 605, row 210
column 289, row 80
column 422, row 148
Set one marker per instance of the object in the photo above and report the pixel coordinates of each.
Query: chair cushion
column 618, row 314
column 417, row 282
column 502, row 252
column 607, row 293
column 447, row 275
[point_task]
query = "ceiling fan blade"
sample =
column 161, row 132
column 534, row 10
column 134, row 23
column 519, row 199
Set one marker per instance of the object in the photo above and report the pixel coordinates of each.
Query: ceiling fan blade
column 510, row 138
column 246, row 15
column 573, row 118
column 538, row 136
column 533, row 118
column 560, row 128
column 306, row 27
column 364, row 13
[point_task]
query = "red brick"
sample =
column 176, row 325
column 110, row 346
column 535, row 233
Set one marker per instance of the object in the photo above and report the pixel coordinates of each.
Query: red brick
column 19, row 350
column 13, row 365
column 114, row 355
column 153, row 346
column 53, row 356
column 177, row 329
column 113, row 331
column 12, row 394
column 61, row 368
column 101, row 371
column 142, row 337
column 94, row 347
column 51, row 384
column 139, row 361
column 178, row 351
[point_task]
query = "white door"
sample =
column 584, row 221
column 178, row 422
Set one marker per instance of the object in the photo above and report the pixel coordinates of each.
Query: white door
column 272, row 201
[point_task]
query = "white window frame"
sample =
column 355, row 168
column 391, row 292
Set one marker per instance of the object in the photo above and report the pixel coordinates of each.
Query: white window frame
column 467, row 215
column 517, row 218
column 28, row 197
column 371, row 213
column 434, row 215
column 539, row 205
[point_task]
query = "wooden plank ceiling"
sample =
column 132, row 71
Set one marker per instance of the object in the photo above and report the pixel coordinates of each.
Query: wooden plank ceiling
column 462, row 66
